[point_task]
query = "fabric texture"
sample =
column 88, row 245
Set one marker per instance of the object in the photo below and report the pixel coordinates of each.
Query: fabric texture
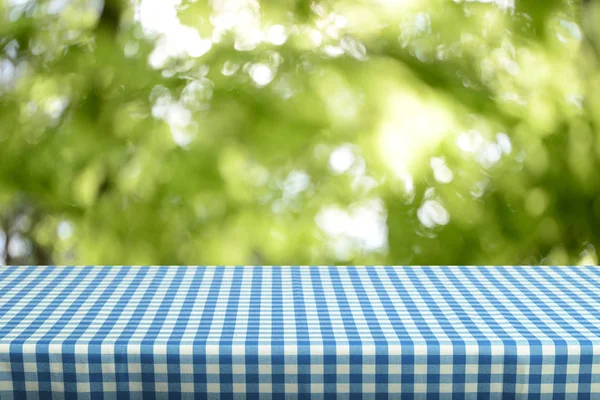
column 299, row 332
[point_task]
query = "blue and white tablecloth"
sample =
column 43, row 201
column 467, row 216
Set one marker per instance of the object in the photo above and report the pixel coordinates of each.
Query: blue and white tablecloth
column 308, row 332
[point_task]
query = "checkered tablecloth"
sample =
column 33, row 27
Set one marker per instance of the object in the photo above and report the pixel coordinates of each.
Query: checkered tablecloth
column 308, row 332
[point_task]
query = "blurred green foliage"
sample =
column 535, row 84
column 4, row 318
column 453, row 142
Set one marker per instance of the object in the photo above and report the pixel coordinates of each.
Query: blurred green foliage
column 299, row 132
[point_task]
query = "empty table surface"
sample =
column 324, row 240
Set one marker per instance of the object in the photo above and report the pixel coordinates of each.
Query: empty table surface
column 269, row 332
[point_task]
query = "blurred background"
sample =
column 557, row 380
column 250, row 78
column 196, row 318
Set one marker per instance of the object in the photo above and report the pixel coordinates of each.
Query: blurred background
column 299, row 132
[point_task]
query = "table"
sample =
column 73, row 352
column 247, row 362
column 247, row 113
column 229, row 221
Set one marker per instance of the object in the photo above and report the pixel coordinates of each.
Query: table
column 299, row 332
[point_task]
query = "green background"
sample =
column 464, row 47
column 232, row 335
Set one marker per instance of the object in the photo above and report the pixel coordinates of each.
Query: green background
column 298, row 132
